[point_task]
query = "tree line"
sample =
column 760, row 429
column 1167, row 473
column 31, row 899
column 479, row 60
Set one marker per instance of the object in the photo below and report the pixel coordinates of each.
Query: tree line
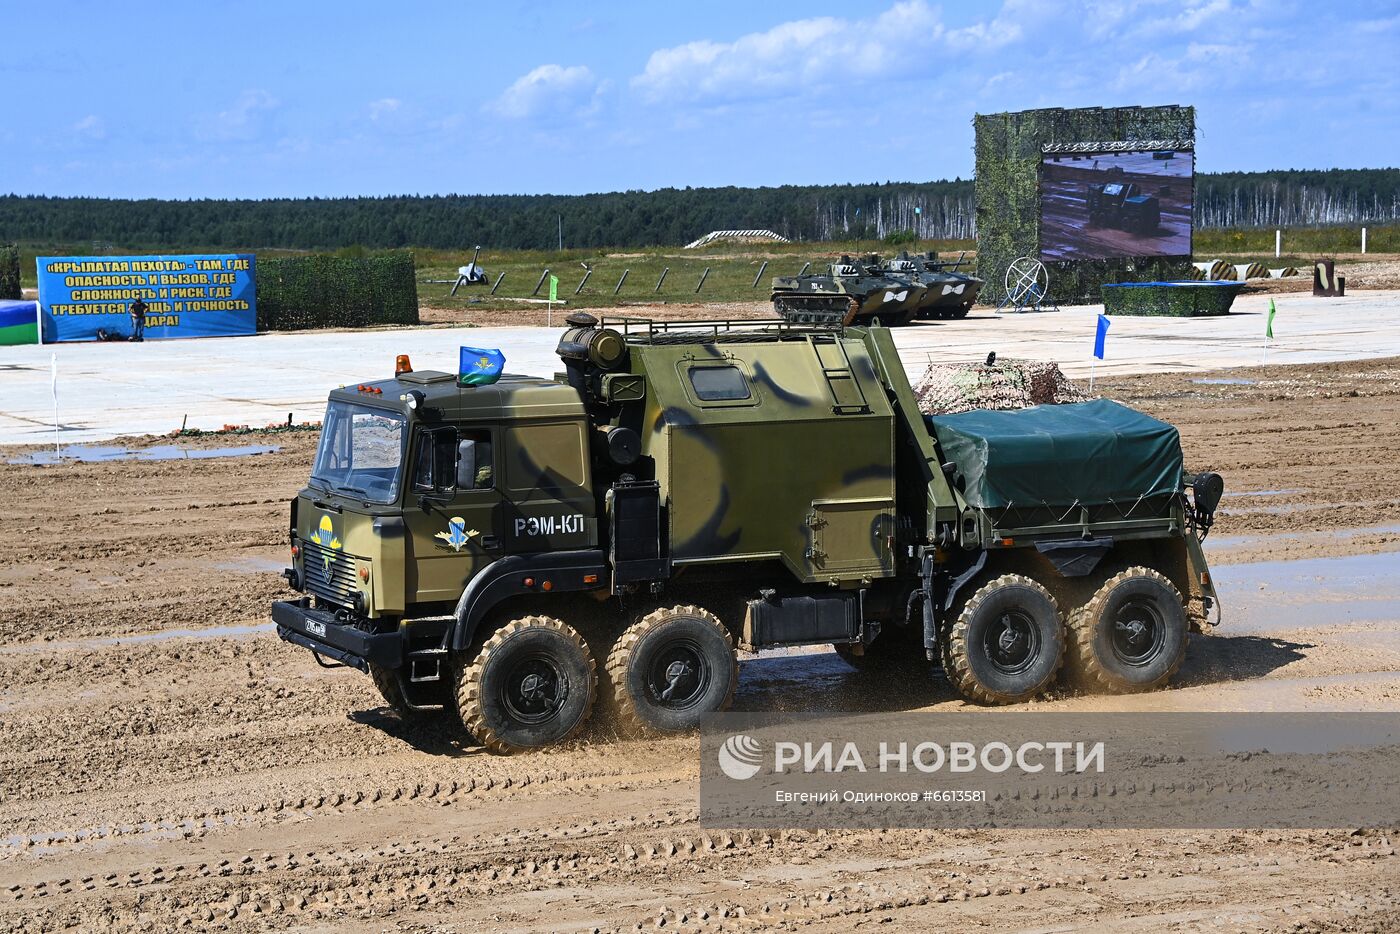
column 667, row 217
column 1293, row 198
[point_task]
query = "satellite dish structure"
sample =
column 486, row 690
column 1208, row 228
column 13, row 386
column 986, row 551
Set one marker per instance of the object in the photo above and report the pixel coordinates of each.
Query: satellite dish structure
column 1026, row 286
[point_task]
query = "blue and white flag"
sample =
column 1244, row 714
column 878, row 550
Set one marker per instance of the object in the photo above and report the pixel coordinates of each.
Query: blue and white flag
column 480, row 366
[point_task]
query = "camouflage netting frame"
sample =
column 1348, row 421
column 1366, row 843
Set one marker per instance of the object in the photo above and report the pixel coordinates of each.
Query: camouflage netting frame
column 9, row 271
column 950, row 388
column 1179, row 301
column 1008, row 155
column 324, row 291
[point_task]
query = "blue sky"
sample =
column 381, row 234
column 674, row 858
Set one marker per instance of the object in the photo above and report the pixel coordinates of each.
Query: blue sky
column 315, row 98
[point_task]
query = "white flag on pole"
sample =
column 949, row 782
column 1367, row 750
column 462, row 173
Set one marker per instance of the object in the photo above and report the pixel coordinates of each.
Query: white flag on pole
column 53, row 390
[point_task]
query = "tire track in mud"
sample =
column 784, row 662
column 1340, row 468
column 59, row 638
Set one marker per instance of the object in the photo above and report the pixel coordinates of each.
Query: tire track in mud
column 226, row 782
column 446, row 872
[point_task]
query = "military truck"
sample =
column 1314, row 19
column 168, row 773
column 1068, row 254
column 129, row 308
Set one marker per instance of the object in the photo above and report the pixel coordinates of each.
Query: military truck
column 508, row 552
column 854, row 291
column 1124, row 206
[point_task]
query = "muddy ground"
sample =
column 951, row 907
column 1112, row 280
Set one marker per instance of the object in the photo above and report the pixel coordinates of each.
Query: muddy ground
column 167, row 762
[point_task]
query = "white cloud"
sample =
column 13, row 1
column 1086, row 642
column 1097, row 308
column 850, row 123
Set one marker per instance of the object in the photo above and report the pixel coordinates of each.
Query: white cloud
column 550, row 88
column 90, row 127
column 383, row 107
column 1197, row 14
column 1200, row 66
column 245, row 120
column 798, row 55
column 828, row 53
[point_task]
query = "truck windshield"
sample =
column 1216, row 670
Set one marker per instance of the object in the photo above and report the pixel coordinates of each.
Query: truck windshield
column 361, row 451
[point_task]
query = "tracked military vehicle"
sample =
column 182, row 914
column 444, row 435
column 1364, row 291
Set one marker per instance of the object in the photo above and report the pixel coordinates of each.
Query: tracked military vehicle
column 1122, row 205
column 947, row 293
column 950, row 293
column 504, row 552
column 853, row 292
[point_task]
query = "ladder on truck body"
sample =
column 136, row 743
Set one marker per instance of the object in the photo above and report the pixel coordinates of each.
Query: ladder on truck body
column 847, row 397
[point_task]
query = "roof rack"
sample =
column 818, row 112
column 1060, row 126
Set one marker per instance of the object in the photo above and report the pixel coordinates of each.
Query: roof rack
column 721, row 330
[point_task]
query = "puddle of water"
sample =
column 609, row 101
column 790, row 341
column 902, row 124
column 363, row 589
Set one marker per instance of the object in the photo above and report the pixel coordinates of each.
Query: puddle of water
column 1226, row 542
column 1224, row 381
column 213, row 632
column 1264, row 493
column 1273, row 596
column 94, row 453
column 1288, row 508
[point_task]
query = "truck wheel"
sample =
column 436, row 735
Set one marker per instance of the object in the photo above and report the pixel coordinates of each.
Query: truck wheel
column 671, row 668
column 1006, row 643
column 1131, row 635
column 387, row 681
column 531, row 684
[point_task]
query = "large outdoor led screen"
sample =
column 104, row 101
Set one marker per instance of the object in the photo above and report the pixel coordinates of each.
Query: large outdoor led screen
column 1102, row 205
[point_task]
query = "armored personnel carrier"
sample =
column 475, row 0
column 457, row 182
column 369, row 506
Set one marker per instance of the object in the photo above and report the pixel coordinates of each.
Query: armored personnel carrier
column 853, row 292
column 947, row 293
column 501, row 549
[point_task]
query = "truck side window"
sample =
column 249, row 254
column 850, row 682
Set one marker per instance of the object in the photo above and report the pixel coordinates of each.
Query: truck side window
column 475, row 469
column 546, row 457
column 435, row 462
column 718, row 383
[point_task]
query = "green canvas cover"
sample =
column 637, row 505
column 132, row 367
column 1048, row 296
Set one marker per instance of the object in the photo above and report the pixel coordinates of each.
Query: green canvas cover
column 1090, row 453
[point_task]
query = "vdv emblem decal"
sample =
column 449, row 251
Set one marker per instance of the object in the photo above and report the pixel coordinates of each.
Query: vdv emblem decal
column 457, row 535
column 326, row 538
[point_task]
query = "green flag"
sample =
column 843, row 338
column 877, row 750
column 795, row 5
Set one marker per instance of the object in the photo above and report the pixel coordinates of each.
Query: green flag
column 1269, row 327
column 554, row 288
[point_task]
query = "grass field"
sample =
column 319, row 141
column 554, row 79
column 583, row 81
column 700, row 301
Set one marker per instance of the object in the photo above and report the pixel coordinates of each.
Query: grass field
column 732, row 272
column 1304, row 243
column 733, row 267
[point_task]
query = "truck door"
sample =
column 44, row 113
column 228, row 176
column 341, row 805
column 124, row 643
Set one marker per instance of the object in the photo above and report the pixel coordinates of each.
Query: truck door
column 452, row 511
column 549, row 500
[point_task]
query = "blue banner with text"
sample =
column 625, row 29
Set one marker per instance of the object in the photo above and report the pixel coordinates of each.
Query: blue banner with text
column 84, row 298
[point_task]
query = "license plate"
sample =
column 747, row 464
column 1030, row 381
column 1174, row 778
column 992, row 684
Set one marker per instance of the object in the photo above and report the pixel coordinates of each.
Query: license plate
column 315, row 628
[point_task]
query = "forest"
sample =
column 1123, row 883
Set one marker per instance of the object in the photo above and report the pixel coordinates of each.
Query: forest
column 667, row 217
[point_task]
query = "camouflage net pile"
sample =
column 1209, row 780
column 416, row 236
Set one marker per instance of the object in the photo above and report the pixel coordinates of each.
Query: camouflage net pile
column 949, row 388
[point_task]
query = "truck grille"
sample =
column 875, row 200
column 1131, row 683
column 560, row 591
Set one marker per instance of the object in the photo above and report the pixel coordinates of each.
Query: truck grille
column 330, row 573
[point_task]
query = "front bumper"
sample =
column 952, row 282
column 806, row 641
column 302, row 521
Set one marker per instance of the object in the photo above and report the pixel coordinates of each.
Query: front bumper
column 319, row 631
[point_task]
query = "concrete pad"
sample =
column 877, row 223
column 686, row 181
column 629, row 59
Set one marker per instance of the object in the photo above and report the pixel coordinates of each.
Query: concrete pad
column 106, row 390
column 1361, row 325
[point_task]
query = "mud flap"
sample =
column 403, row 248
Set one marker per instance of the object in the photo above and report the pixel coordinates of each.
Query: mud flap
column 1075, row 557
column 930, row 613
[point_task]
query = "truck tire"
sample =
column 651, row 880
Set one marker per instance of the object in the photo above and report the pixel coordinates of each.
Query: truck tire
column 531, row 684
column 670, row 669
column 1006, row 643
column 1131, row 635
column 387, row 681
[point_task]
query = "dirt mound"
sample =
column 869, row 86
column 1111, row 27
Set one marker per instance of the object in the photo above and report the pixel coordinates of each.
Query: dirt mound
column 949, row 388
